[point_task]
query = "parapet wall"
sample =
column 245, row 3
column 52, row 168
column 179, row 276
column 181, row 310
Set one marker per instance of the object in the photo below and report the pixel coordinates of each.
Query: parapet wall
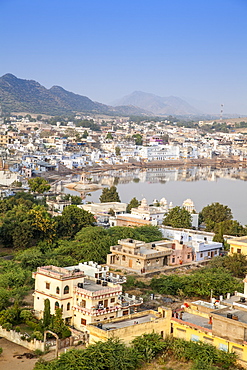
column 15, row 337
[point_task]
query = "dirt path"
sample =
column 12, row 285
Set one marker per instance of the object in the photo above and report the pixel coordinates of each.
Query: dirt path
column 9, row 360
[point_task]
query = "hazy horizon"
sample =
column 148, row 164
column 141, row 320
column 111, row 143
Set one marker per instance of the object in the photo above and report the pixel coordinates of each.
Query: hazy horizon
column 106, row 50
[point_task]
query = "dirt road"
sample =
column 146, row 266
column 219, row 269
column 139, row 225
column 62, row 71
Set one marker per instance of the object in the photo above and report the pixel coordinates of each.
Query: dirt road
column 9, row 359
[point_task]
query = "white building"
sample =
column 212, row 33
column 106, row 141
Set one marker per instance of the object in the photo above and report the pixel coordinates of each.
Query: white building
column 86, row 293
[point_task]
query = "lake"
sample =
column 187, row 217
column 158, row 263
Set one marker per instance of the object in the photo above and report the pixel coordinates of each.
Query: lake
column 204, row 185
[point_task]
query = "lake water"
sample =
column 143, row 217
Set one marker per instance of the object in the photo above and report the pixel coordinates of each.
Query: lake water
column 204, row 185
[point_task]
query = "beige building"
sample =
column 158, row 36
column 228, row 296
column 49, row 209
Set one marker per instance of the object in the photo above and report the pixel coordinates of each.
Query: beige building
column 103, row 209
column 84, row 298
column 238, row 245
column 135, row 255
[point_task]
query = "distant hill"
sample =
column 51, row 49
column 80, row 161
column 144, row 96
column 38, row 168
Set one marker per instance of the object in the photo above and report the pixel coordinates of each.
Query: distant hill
column 18, row 95
column 158, row 105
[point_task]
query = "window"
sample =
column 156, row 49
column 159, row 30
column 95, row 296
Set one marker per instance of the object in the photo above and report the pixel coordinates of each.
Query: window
column 56, row 305
column 188, row 257
column 66, row 290
column 194, row 338
column 112, row 300
column 123, row 258
column 173, row 259
column 47, row 285
column 208, row 340
column 68, row 306
column 239, row 250
column 57, row 290
column 223, row 347
column 83, row 303
column 83, row 322
column 201, row 255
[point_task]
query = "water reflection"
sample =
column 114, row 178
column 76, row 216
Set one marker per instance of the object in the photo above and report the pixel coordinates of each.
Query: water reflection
column 204, row 185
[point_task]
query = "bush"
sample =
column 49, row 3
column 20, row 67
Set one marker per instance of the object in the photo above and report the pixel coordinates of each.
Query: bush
column 17, row 329
column 7, row 325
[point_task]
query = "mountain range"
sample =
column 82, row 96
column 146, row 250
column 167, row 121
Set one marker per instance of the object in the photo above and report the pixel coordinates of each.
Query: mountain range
column 19, row 95
column 158, row 105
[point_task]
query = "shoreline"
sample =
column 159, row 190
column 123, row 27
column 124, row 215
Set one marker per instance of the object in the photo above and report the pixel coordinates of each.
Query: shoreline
column 218, row 162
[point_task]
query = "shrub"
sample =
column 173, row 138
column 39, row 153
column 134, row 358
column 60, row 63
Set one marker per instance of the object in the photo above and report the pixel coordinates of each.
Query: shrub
column 7, row 325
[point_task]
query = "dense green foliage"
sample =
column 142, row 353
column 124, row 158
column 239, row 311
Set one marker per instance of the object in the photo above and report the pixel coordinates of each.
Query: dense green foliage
column 132, row 204
column 204, row 356
column 89, row 244
column 73, row 219
column 214, row 214
column 178, row 217
column 236, row 264
column 109, row 195
column 198, row 284
column 138, row 139
column 15, row 282
column 38, row 185
column 114, row 355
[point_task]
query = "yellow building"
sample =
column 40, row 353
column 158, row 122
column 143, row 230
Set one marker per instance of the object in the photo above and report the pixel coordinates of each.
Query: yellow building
column 238, row 245
column 221, row 326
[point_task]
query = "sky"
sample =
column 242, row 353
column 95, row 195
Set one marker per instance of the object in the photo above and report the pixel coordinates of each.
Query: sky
column 194, row 49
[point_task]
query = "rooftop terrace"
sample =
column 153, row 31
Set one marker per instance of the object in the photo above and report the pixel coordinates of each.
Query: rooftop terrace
column 123, row 323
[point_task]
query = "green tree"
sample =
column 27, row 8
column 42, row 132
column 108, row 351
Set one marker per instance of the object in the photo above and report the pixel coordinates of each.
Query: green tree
column 215, row 213
column 109, row 136
column 134, row 203
column 38, row 185
column 109, row 195
column 138, row 139
column 117, row 151
column 229, row 227
column 149, row 345
column 75, row 199
column 178, row 217
column 16, row 184
column 47, row 313
column 73, row 219
column 58, row 326
column 85, row 134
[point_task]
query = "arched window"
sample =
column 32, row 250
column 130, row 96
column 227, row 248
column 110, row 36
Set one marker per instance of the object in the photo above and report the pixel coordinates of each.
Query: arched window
column 56, row 305
column 66, row 289
column 68, row 306
column 57, row 290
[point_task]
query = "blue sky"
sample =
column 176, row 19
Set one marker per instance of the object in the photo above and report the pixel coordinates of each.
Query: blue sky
column 194, row 49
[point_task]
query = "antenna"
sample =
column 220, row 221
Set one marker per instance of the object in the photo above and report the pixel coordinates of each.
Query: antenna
column 221, row 111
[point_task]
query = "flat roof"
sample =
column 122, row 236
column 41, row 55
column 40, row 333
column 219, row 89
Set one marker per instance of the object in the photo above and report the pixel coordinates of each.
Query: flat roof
column 196, row 320
column 241, row 314
column 123, row 323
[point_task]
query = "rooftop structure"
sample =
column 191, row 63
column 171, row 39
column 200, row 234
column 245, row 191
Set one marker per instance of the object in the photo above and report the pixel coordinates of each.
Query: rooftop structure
column 139, row 256
column 83, row 297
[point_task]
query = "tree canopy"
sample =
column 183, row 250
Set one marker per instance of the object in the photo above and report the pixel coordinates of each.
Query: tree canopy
column 178, row 217
column 72, row 220
column 215, row 213
column 109, row 195
column 132, row 204
column 38, row 185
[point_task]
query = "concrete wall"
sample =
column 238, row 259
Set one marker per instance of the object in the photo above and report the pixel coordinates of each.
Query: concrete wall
column 160, row 324
column 15, row 337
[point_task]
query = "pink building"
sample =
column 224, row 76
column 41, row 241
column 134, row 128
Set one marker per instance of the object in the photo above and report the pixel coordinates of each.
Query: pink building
column 181, row 254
